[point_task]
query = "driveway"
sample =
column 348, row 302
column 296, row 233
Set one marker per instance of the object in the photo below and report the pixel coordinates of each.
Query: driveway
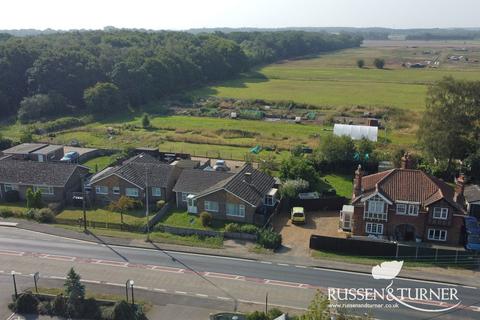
column 296, row 238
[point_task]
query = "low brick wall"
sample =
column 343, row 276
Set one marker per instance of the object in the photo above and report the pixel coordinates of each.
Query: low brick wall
column 205, row 233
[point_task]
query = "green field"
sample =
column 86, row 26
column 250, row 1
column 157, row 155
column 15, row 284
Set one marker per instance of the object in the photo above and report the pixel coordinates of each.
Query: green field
column 134, row 218
column 333, row 79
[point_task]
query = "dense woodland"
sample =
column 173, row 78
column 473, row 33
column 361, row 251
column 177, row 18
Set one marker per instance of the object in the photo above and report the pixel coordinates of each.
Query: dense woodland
column 102, row 71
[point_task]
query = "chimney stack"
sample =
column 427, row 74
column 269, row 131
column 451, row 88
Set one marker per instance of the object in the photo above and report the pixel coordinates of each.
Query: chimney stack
column 248, row 177
column 357, row 182
column 459, row 189
column 406, row 161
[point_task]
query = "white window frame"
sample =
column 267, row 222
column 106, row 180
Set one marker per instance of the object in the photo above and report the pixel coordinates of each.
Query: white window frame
column 437, row 234
column 269, row 200
column 10, row 187
column 184, row 196
column 132, row 192
column 116, row 190
column 405, row 208
column 210, row 206
column 377, row 212
column 98, row 190
column 239, row 210
column 45, row 190
column 156, row 192
column 374, row 228
column 413, row 210
column 441, row 214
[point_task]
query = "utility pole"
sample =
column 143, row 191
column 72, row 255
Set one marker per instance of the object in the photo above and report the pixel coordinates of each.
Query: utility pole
column 147, row 205
column 83, row 206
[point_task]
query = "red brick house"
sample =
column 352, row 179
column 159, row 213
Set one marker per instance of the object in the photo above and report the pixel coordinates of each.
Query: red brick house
column 406, row 205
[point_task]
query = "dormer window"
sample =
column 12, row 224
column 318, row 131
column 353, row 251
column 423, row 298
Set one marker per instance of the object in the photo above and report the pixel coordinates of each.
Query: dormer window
column 407, row 209
column 440, row 213
column 375, row 208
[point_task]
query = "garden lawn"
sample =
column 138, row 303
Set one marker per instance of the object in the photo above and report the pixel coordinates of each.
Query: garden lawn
column 100, row 163
column 18, row 207
column 134, row 218
column 179, row 218
column 342, row 183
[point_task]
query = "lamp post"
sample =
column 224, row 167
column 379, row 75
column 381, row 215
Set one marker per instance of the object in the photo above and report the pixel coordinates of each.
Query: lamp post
column 126, row 288
column 133, row 297
column 83, row 206
column 14, row 284
column 147, row 205
column 36, row 276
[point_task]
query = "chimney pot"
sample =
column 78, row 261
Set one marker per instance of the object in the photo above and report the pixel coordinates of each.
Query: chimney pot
column 248, row 177
column 357, row 181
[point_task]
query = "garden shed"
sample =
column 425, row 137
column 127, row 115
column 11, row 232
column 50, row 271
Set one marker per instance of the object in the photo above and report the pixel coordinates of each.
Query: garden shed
column 356, row 132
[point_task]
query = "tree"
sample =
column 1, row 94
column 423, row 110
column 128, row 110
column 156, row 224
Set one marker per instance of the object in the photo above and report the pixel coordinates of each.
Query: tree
column 449, row 127
column 75, row 294
column 34, row 199
column 26, row 135
column 123, row 311
column 299, row 168
column 41, row 105
column 336, row 150
column 145, row 121
column 360, row 63
column 291, row 188
column 318, row 308
column 103, row 98
column 379, row 63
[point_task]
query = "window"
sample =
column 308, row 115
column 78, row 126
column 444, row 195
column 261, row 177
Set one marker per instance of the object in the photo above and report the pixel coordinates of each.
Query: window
column 413, row 210
column 10, row 187
column 156, row 192
column 374, row 228
column 401, row 208
column 235, row 210
column 184, row 196
column 44, row 190
column 375, row 208
column 440, row 213
column 101, row 190
column 437, row 234
column 116, row 190
column 131, row 192
column 211, row 206
column 269, row 200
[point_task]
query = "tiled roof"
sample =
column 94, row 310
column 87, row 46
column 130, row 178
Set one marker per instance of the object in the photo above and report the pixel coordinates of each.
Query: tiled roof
column 253, row 192
column 472, row 193
column 136, row 170
column 407, row 185
column 36, row 173
column 196, row 180
column 25, row 148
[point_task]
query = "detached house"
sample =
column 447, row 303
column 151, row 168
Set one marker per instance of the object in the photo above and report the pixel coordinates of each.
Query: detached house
column 137, row 175
column 405, row 205
column 244, row 196
column 55, row 180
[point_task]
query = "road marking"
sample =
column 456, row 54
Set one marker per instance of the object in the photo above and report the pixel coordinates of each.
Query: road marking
column 180, row 292
column 201, row 295
column 56, row 257
column 161, row 290
column 114, row 284
column 11, row 253
column 90, row 281
column 266, row 262
column 141, row 288
column 224, row 298
column 283, row 264
column 59, row 278
column 271, row 304
column 302, row 267
column 55, row 236
column 468, row 287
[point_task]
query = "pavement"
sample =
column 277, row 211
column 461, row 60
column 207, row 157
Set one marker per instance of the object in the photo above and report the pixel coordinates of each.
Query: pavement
column 205, row 281
column 438, row 274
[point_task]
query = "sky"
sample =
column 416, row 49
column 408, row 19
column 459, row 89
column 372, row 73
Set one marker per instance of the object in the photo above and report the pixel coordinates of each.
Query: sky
column 186, row 14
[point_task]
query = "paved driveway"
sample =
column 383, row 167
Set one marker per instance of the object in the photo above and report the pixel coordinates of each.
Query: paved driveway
column 296, row 238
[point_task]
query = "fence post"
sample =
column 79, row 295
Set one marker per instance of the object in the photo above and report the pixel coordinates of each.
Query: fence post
column 396, row 254
column 416, row 252
column 436, row 253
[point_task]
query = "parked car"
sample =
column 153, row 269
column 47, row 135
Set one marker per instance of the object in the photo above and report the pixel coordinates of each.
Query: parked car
column 298, row 215
column 71, row 157
column 471, row 225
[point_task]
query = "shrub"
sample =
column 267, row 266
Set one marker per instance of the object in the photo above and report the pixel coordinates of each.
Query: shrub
column 291, row 188
column 59, row 305
column 26, row 303
column 91, row 310
column 123, row 311
column 232, row 227
column 379, row 63
column 274, row 313
column 269, row 239
column 6, row 213
column 34, row 198
column 56, row 207
column 44, row 308
column 160, row 204
column 45, row 215
column 12, row 196
column 360, row 63
column 31, row 214
column 249, row 228
column 257, row 315
column 206, row 218
column 145, row 121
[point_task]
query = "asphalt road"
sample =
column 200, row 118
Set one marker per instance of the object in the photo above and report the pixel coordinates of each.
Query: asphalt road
column 228, row 279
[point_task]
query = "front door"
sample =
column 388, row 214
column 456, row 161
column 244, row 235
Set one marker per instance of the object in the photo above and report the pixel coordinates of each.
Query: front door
column 191, row 204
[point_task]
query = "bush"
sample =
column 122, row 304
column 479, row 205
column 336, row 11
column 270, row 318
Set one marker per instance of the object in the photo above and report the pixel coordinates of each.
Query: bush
column 6, row 213
column 91, row 310
column 160, row 204
column 249, row 228
column 232, row 227
column 26, row 303
column 31, row 214
column 12, row 196
column 56, row 207
column 206, row 218
column 44, row 308
column 45, row 215
column 360, row 63
column 379, row 63
column 269, row 239
column 59, row 305
column 291, row 188
column 60, row 124
column 122, row 310
column 257, row 315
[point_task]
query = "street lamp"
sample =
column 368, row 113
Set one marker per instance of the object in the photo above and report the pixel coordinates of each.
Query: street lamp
column 131, row 287
column 14, row 284
column 36, row 276
column 129, row 283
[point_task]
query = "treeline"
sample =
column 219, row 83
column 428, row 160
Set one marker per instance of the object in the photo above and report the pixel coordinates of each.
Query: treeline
column 65, row 73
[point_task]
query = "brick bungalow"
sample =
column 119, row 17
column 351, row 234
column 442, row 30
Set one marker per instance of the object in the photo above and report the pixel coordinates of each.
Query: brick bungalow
column 406, row 205
column 228, row 196
column 55, row 180
column 132, row 178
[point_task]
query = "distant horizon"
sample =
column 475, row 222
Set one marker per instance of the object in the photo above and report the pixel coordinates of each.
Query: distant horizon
column 183, row 15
